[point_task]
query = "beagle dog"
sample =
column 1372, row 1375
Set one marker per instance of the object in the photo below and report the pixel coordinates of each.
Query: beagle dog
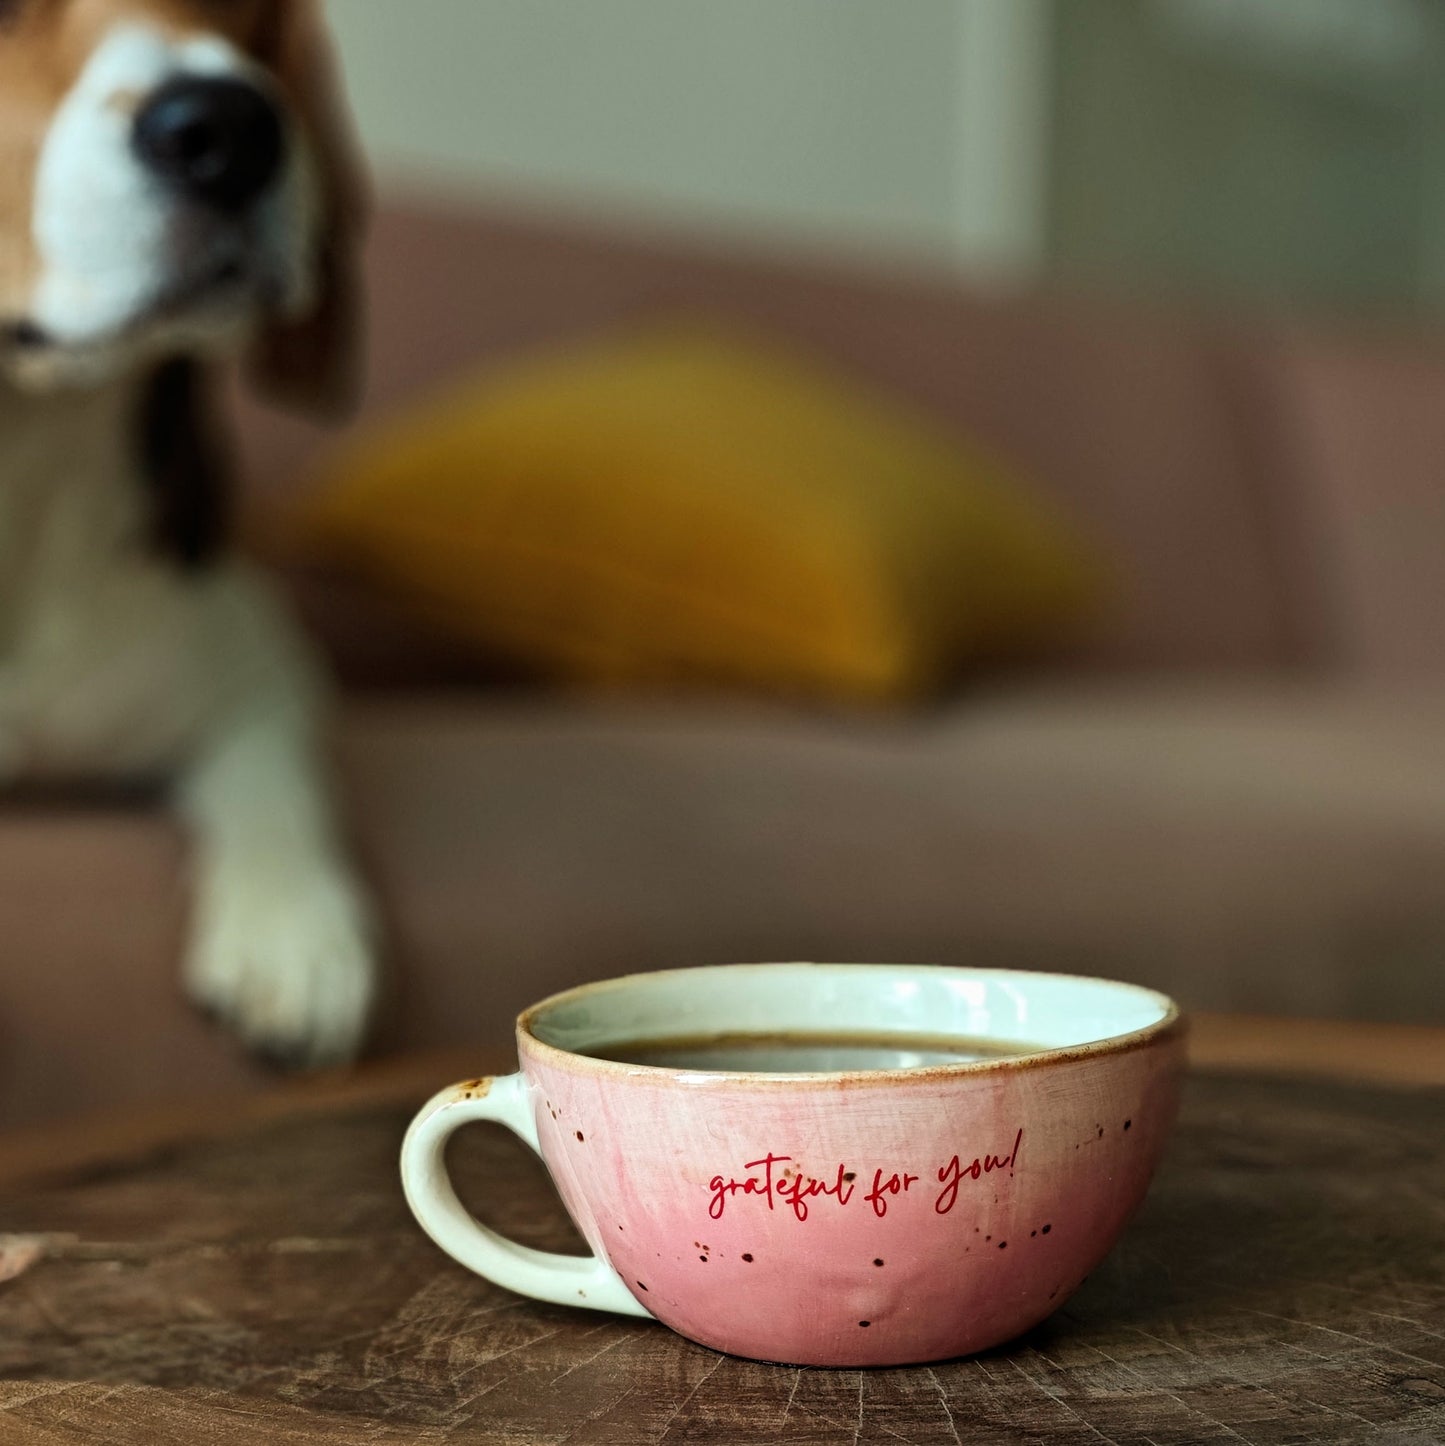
column 178, row 187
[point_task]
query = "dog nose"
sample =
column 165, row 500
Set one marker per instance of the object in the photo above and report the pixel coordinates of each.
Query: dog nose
column 218, row 141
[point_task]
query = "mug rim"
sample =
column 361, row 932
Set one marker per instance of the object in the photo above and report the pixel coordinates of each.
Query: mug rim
column 1172, row 1023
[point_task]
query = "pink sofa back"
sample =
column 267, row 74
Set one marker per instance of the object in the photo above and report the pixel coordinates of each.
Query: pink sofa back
column 1271, row 499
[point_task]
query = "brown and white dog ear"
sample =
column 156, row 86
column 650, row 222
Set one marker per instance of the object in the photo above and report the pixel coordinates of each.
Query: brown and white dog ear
column 314, row 362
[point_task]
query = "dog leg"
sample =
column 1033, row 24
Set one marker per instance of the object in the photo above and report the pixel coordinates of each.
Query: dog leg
column 281, row 947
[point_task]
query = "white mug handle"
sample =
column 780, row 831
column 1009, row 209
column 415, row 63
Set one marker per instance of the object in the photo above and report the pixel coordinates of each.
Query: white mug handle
column 587, row 1281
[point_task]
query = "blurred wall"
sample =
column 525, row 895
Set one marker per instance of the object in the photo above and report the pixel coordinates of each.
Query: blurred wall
column 1269, row 152
column 908, row 126
column 1283, row 152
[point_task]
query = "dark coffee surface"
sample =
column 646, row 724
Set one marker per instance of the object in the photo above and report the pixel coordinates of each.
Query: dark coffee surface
column 1284, row 1284
column 797, row 1053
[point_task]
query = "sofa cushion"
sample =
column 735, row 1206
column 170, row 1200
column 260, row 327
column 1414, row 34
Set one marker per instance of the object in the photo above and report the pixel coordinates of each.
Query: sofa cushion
column 1365, row 426
column 1257, row 851
column 689, row 506
column 1267, row 851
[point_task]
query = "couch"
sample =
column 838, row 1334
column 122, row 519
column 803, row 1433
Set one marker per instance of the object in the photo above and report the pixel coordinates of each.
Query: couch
column 1234, row 791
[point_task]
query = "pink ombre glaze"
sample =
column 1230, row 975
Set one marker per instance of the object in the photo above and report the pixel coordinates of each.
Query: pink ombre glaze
column 1066, row 1143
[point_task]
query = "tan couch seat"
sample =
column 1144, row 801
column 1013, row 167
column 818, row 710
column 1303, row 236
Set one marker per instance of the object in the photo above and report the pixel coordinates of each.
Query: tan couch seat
column 1270, row 851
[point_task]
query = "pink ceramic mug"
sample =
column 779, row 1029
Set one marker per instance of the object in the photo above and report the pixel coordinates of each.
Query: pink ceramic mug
column 840, row 1217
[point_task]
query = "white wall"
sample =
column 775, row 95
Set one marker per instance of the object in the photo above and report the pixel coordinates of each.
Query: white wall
column 846, row 121
column 1250, row 154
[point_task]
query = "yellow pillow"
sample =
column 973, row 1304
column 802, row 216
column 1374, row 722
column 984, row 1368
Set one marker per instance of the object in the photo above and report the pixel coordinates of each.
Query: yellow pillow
column 689, row 507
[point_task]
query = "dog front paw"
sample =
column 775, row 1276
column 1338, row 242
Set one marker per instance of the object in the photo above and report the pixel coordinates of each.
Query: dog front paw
column 284, row 957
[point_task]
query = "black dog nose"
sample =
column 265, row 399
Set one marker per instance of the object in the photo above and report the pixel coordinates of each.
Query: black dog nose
column 219, row 141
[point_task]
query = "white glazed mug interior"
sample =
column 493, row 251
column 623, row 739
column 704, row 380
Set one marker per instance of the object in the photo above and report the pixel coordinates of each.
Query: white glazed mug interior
column 1046, row 1015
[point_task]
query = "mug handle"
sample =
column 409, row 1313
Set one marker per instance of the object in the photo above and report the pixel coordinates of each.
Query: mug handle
column 587, row 1281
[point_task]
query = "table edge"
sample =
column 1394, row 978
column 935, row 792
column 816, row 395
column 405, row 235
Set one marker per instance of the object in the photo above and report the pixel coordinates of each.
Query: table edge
column 1402, row 1056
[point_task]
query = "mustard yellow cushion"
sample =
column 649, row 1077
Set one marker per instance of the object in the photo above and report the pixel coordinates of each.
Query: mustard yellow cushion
column 687, row 506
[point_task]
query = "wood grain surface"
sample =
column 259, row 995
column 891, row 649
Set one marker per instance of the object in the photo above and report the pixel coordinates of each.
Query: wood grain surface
column 1285, row 1284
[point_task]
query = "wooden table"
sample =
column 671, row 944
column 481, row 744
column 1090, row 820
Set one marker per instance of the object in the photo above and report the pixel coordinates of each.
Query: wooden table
column 250, row 1275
